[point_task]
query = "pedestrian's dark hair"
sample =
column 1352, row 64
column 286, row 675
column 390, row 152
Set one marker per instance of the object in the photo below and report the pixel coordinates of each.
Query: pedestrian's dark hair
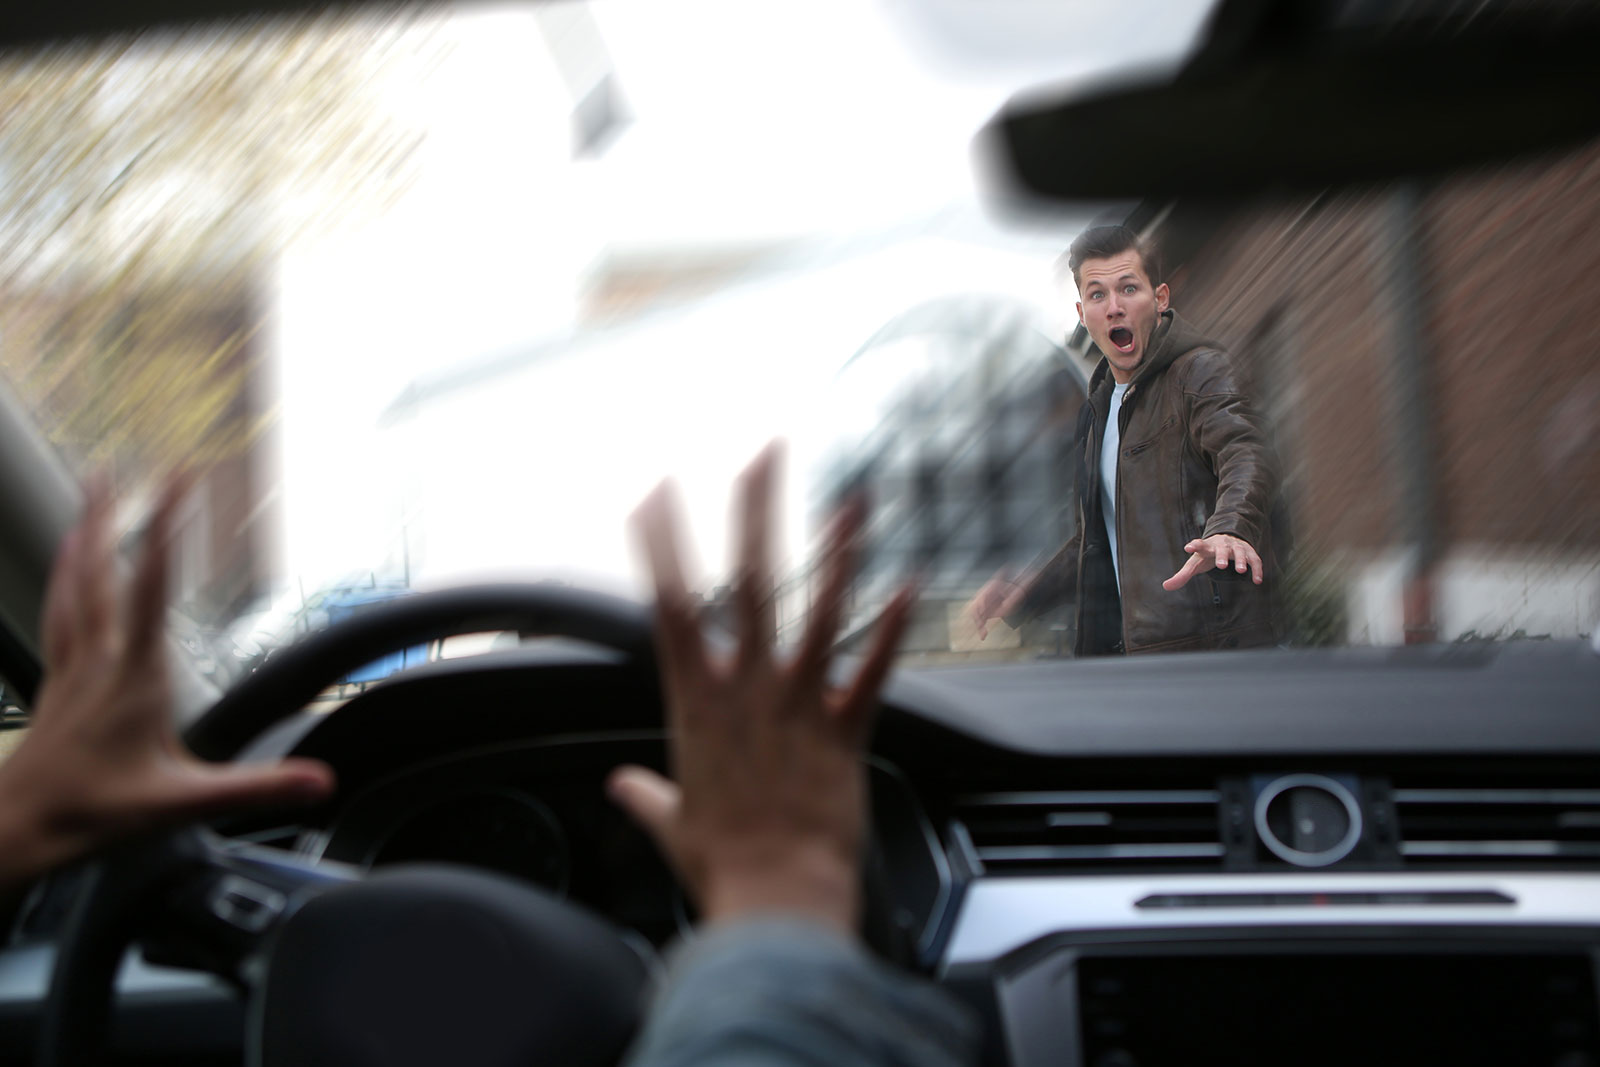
column 1098, row 242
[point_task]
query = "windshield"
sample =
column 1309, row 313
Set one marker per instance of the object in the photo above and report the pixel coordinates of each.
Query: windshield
column 438, row 297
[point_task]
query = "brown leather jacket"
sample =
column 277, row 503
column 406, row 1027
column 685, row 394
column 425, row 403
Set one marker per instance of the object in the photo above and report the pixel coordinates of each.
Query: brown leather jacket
column 1194, row 462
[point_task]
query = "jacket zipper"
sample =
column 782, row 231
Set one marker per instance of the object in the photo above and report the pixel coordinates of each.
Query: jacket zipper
column 1091, row 464
column 1116, row 496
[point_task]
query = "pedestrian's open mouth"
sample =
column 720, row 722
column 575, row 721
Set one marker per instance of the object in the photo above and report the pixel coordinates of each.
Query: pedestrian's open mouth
column 1122, row 337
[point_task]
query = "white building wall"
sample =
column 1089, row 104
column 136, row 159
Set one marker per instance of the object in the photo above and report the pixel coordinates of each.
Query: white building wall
column 1480, row 592
column 1495, row 595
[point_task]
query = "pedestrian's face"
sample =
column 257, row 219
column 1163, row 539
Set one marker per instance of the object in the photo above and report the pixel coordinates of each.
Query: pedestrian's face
column 1118, row 306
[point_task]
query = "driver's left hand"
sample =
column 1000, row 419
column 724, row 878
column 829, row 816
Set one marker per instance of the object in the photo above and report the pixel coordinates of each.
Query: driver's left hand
column 102, row 758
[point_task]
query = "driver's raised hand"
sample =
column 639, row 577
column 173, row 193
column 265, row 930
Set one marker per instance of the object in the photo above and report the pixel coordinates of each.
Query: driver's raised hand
column 767, row 811
column 102, row 758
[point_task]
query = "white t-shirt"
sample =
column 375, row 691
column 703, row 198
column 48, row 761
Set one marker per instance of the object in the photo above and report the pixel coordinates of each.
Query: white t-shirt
column 1108, row 475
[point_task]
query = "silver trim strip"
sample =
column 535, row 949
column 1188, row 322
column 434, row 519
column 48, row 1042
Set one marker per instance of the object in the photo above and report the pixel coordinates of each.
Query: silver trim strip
column 1069, row 797
column 1496, row 796
column 999, row 915
column 1585, row 849
column 1065, row 819
column 1150, row 851
column 961, row 841
column 930, row 838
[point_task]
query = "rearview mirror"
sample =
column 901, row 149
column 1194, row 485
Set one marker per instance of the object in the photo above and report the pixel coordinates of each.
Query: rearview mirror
column 1294, row 95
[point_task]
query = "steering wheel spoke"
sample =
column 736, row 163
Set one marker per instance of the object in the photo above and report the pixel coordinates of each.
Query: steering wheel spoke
column 232, row 898
column 276, row 926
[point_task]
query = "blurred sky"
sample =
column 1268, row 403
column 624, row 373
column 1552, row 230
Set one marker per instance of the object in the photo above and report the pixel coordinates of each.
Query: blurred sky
column 751, row 124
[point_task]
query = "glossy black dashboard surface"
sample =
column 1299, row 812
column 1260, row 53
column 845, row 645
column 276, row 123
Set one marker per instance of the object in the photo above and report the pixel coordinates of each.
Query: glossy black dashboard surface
column 1029, row 818
column 500, row 760
column 1529, row 697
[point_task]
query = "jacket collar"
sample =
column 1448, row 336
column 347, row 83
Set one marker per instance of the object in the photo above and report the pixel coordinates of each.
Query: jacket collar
column 1172, row 337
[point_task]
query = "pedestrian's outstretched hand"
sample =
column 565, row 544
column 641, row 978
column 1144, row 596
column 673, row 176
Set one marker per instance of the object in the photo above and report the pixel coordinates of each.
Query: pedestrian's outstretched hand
column 1217, row 552
column 767, row 810
column 999, row 597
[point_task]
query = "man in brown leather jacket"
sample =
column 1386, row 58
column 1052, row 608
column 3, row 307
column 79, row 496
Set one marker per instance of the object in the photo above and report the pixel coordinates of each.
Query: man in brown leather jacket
column 1174, row 493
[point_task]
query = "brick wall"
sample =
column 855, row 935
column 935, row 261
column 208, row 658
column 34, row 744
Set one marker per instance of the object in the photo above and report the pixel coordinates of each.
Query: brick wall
column 1509, row 264
column 1516, row 344
column 1290, row 289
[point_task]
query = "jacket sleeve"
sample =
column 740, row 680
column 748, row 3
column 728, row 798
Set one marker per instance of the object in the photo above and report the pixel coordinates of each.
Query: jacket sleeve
column 1056, row 581
column 1053, row 584
column 787, row 993
column 1225, row 428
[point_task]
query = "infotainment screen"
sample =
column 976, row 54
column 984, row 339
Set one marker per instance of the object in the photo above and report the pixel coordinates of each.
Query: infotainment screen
column 1351, row 1009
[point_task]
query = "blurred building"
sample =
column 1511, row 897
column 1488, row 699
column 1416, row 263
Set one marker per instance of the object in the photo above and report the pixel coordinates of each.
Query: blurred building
column 1427, row 355
column 142, row 380
column 1424, row 354
column 969, row 464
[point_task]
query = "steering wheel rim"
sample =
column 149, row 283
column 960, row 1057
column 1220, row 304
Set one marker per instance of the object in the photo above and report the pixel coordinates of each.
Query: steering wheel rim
column 292, row 678
column 101, row 921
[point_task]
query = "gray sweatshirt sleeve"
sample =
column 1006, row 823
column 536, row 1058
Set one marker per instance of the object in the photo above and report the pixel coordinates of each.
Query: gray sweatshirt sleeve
column 784, row 993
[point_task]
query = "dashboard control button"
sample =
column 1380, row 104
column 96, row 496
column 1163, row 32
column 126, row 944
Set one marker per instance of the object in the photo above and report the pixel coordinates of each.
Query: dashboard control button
column 1308, row 820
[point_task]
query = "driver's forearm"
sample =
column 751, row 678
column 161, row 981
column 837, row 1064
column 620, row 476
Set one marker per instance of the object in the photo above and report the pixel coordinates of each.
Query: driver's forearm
column 807, row 884
column 784, row 992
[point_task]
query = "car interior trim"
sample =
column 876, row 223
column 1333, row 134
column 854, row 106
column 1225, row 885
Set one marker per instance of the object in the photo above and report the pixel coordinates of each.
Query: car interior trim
column 1000, row 915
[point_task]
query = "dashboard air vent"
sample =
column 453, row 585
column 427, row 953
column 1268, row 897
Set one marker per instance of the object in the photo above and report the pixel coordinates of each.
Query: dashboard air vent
column 1029, row 832
column 1555, row 827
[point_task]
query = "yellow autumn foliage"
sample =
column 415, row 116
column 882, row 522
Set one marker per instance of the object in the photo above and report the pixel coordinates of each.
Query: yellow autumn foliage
column 149, row 183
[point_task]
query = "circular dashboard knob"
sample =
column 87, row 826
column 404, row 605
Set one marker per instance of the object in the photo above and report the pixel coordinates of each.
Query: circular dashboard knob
column 1308, row 820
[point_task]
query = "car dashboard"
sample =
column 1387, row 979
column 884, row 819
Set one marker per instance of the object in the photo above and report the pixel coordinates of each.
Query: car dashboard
column 1312, row 857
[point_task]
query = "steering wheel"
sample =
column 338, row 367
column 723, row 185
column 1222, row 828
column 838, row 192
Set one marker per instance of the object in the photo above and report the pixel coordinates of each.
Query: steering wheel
column 416, row 965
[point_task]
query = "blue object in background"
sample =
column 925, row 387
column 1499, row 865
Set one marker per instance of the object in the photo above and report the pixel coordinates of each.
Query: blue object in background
column 343, row 603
